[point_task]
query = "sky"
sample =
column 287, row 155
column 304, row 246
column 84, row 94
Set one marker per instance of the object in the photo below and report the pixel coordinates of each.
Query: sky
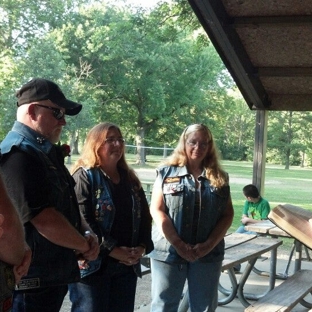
column 145, row 3
column 142, row 3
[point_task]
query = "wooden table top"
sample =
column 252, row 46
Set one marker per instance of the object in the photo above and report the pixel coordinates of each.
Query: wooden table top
column 266, row 227
column 240, row 248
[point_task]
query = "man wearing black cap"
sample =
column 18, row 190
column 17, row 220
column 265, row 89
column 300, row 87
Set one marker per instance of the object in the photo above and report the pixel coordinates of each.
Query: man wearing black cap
column 43, row 191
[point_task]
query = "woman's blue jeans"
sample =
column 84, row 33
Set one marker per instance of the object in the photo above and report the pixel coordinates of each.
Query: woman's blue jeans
column 110, row 290
column 168, row 282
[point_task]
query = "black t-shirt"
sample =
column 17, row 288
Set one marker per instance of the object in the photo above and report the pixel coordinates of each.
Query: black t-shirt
column 26, row 183
column 122, row 225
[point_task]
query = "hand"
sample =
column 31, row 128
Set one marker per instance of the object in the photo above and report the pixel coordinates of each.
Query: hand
column 201, row 250
column 22, row 269
column 245, row 220
column 94, row 248
column 138, row 252
column 186, row 251
column 126, row 255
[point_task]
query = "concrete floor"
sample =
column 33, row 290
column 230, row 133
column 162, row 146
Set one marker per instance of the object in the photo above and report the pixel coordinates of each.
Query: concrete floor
column 256, row 284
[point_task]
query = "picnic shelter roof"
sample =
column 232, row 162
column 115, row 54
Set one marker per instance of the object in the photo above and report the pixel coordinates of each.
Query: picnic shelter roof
column 266, row 46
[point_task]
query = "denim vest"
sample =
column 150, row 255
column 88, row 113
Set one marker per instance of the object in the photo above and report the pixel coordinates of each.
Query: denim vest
column 179, row 190
column 104, row 211
column 51, row 264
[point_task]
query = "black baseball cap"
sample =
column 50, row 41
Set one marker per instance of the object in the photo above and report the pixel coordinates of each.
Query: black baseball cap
column 39, row 89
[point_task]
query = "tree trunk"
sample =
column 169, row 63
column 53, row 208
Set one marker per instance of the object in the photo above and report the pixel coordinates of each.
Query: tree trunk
column 302, row 159
column 165, row 154
column 289, row 140
column 140, row 147
column 287, row 158
column 74, row 140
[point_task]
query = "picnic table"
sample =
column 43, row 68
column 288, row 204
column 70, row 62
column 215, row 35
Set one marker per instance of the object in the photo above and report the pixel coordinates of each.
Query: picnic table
column 268, row 228
column 240, row 248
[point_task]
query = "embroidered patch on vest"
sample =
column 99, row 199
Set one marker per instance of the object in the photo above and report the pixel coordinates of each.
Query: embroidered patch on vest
column 172, row 180
column 172, row 188
column 28, row 283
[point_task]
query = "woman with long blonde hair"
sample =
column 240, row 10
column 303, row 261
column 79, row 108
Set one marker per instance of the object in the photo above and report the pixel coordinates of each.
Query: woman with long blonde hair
column 192, row 210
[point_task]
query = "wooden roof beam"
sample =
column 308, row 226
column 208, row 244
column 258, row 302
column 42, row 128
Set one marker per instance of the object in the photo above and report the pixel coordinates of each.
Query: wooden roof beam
column 285, row 71
column 219, row 27
column 282, row 21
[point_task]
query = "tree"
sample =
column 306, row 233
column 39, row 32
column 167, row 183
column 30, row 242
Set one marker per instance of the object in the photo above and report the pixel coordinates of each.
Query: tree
column 8, row 78
column 285, row 137
column 25, row 50
column 23, row 21
column 235, row 128
column 149, row 70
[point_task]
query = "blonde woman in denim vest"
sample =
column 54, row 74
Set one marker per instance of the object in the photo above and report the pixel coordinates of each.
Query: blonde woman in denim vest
column 192, row 211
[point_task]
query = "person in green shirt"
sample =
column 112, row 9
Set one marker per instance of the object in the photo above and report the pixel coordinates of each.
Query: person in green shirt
column 255, row 210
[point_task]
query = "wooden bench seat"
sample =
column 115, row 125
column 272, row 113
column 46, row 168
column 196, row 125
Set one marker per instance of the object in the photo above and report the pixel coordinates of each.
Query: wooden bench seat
column 285, row 296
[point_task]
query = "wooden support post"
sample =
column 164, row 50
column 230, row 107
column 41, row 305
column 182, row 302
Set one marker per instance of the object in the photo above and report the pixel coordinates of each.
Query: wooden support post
column 260, row 150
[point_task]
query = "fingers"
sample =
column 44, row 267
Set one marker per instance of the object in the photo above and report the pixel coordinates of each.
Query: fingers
column 128, row 255
column 22, row 269
column 16, row 275
column 190, row 253
column 187, row 252
column 92, row 253
column 94, row 248
column 129, row 262
column 138, row 252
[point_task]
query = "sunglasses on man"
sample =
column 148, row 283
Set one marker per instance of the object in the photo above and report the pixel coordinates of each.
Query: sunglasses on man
column 57, row 113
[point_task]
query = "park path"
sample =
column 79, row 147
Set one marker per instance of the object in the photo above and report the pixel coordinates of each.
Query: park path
column 146, row 175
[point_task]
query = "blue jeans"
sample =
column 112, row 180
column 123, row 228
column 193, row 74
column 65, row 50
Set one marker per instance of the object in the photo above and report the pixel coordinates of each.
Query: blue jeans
column 242, row 230
column 168, row 281
column 47, row 299
column 109, row 290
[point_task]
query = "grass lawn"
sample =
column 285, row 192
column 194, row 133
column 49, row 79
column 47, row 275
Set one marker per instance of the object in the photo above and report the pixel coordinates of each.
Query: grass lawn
column 282, row 186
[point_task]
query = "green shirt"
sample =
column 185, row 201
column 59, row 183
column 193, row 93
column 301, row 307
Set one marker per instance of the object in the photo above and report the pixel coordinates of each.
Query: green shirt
column 258, row 210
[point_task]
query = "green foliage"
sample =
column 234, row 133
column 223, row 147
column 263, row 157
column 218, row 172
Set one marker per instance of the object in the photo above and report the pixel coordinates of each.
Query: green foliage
column 8, row 80
column 133, row 58
column 152, row 71
column 22, row 22
column 288, row 137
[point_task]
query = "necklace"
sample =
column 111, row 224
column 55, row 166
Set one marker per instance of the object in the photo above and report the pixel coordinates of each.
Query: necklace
column 114, row 178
